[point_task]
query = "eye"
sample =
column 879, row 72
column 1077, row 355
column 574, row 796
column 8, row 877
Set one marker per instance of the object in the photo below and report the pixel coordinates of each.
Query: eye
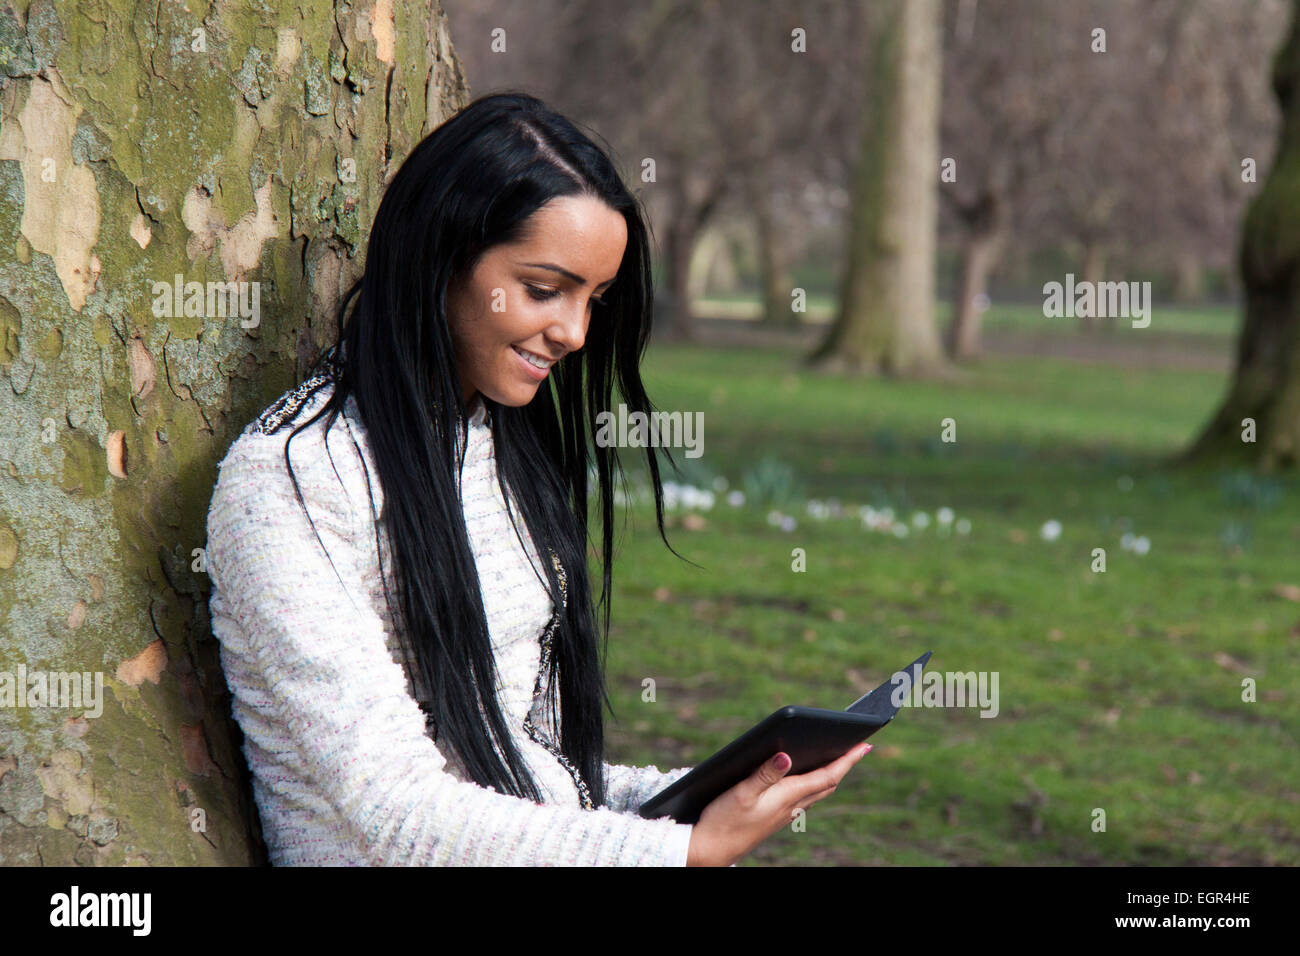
column 541, row 295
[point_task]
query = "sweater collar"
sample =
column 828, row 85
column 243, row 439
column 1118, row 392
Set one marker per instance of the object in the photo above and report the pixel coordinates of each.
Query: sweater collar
column 477, row 410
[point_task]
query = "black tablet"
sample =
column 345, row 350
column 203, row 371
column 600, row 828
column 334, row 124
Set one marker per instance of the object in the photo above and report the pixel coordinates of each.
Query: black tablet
column 811, row 736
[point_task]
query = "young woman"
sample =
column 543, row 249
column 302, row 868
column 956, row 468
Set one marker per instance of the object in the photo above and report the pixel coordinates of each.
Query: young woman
column 399, row 648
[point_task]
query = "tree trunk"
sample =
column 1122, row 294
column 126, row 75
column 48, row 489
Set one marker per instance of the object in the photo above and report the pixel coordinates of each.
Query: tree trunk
column 1189, row 278
column 679, row 253
column 984, row 239
column 1265, row 386
column 886, row 321
column 1094, row 271
column 144, row 147
column 684, row 228
column 775, row 281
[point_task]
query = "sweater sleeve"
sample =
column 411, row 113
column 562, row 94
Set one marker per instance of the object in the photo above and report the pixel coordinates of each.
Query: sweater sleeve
column 626, row 788
column 346, row 720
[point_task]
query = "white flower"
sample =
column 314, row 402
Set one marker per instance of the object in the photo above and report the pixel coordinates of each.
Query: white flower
column 944, row 515
column 1127, row 541
column 887, row 515
column 735, row 498
column 774, row 518
column 1142, row 545
column 920, row 520
column 963, row 526
column 693, row 497
column 1051, row 530
column 788, row 523
column 900, row 530
column 877, row 520
column 720, row 484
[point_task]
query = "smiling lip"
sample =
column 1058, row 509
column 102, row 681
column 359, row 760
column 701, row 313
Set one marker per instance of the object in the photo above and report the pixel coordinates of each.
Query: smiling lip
column 537, row 373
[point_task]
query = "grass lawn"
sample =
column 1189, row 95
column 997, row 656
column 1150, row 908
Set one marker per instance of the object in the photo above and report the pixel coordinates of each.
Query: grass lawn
column 1119, row 691
column 1210, row 324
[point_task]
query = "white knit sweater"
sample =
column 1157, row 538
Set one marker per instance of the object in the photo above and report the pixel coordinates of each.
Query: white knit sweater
column 344, row 771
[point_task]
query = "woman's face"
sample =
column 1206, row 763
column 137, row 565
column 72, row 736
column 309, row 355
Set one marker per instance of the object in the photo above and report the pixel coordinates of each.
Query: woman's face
column 536, row 295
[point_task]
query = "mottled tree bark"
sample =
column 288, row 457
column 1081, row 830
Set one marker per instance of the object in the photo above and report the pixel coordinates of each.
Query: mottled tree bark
column 886, row 321
column 141, row 142
column 1263, row 401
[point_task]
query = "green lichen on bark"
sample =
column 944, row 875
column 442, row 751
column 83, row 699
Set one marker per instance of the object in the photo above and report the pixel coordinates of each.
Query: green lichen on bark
column 210, row 140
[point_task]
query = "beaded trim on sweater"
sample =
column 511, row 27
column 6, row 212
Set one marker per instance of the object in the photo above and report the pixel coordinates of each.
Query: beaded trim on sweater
column 287, row 406
column 547, row 639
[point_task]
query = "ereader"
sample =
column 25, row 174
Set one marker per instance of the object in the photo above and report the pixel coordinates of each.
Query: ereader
column 813, row 737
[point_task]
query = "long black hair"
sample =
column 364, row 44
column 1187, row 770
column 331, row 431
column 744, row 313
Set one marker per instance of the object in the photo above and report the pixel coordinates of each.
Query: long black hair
column 468, row 186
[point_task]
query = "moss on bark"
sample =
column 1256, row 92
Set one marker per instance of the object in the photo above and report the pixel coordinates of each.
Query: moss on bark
column 208, row 142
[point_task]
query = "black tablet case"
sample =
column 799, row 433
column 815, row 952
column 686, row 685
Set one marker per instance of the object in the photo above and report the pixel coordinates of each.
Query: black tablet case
column 811, row 736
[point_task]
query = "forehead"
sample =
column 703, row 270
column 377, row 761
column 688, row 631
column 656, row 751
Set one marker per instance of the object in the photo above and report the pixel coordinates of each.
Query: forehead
column 580, row 233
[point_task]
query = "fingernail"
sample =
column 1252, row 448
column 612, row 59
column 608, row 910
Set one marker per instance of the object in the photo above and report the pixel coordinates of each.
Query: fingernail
column 867, row 749
column 781, row 761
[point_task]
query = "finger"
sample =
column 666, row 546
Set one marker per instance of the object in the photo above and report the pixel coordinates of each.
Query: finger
column 844, row 764
column 827, row 777
column 820, row 795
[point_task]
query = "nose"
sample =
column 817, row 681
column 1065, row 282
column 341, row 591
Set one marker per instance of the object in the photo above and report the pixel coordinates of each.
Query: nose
column 570, row 332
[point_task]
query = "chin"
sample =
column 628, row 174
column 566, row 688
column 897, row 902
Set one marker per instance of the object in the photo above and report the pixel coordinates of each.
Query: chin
column 515, row 397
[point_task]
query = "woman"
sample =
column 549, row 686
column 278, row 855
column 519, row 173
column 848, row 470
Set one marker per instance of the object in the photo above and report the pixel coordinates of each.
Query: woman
column 362, row 621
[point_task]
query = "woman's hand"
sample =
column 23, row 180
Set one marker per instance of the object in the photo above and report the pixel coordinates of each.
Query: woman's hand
column 751, row 811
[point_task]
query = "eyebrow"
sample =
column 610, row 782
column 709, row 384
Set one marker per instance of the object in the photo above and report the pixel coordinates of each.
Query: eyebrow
column 572, row 276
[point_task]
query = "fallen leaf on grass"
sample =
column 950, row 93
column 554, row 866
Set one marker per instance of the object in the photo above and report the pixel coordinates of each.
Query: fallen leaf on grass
column 1230, row 663
column 1289, row 592
column 950, row 811
column 859, row 681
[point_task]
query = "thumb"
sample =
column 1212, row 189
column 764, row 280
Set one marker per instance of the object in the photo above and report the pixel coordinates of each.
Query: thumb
column 770, row 772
